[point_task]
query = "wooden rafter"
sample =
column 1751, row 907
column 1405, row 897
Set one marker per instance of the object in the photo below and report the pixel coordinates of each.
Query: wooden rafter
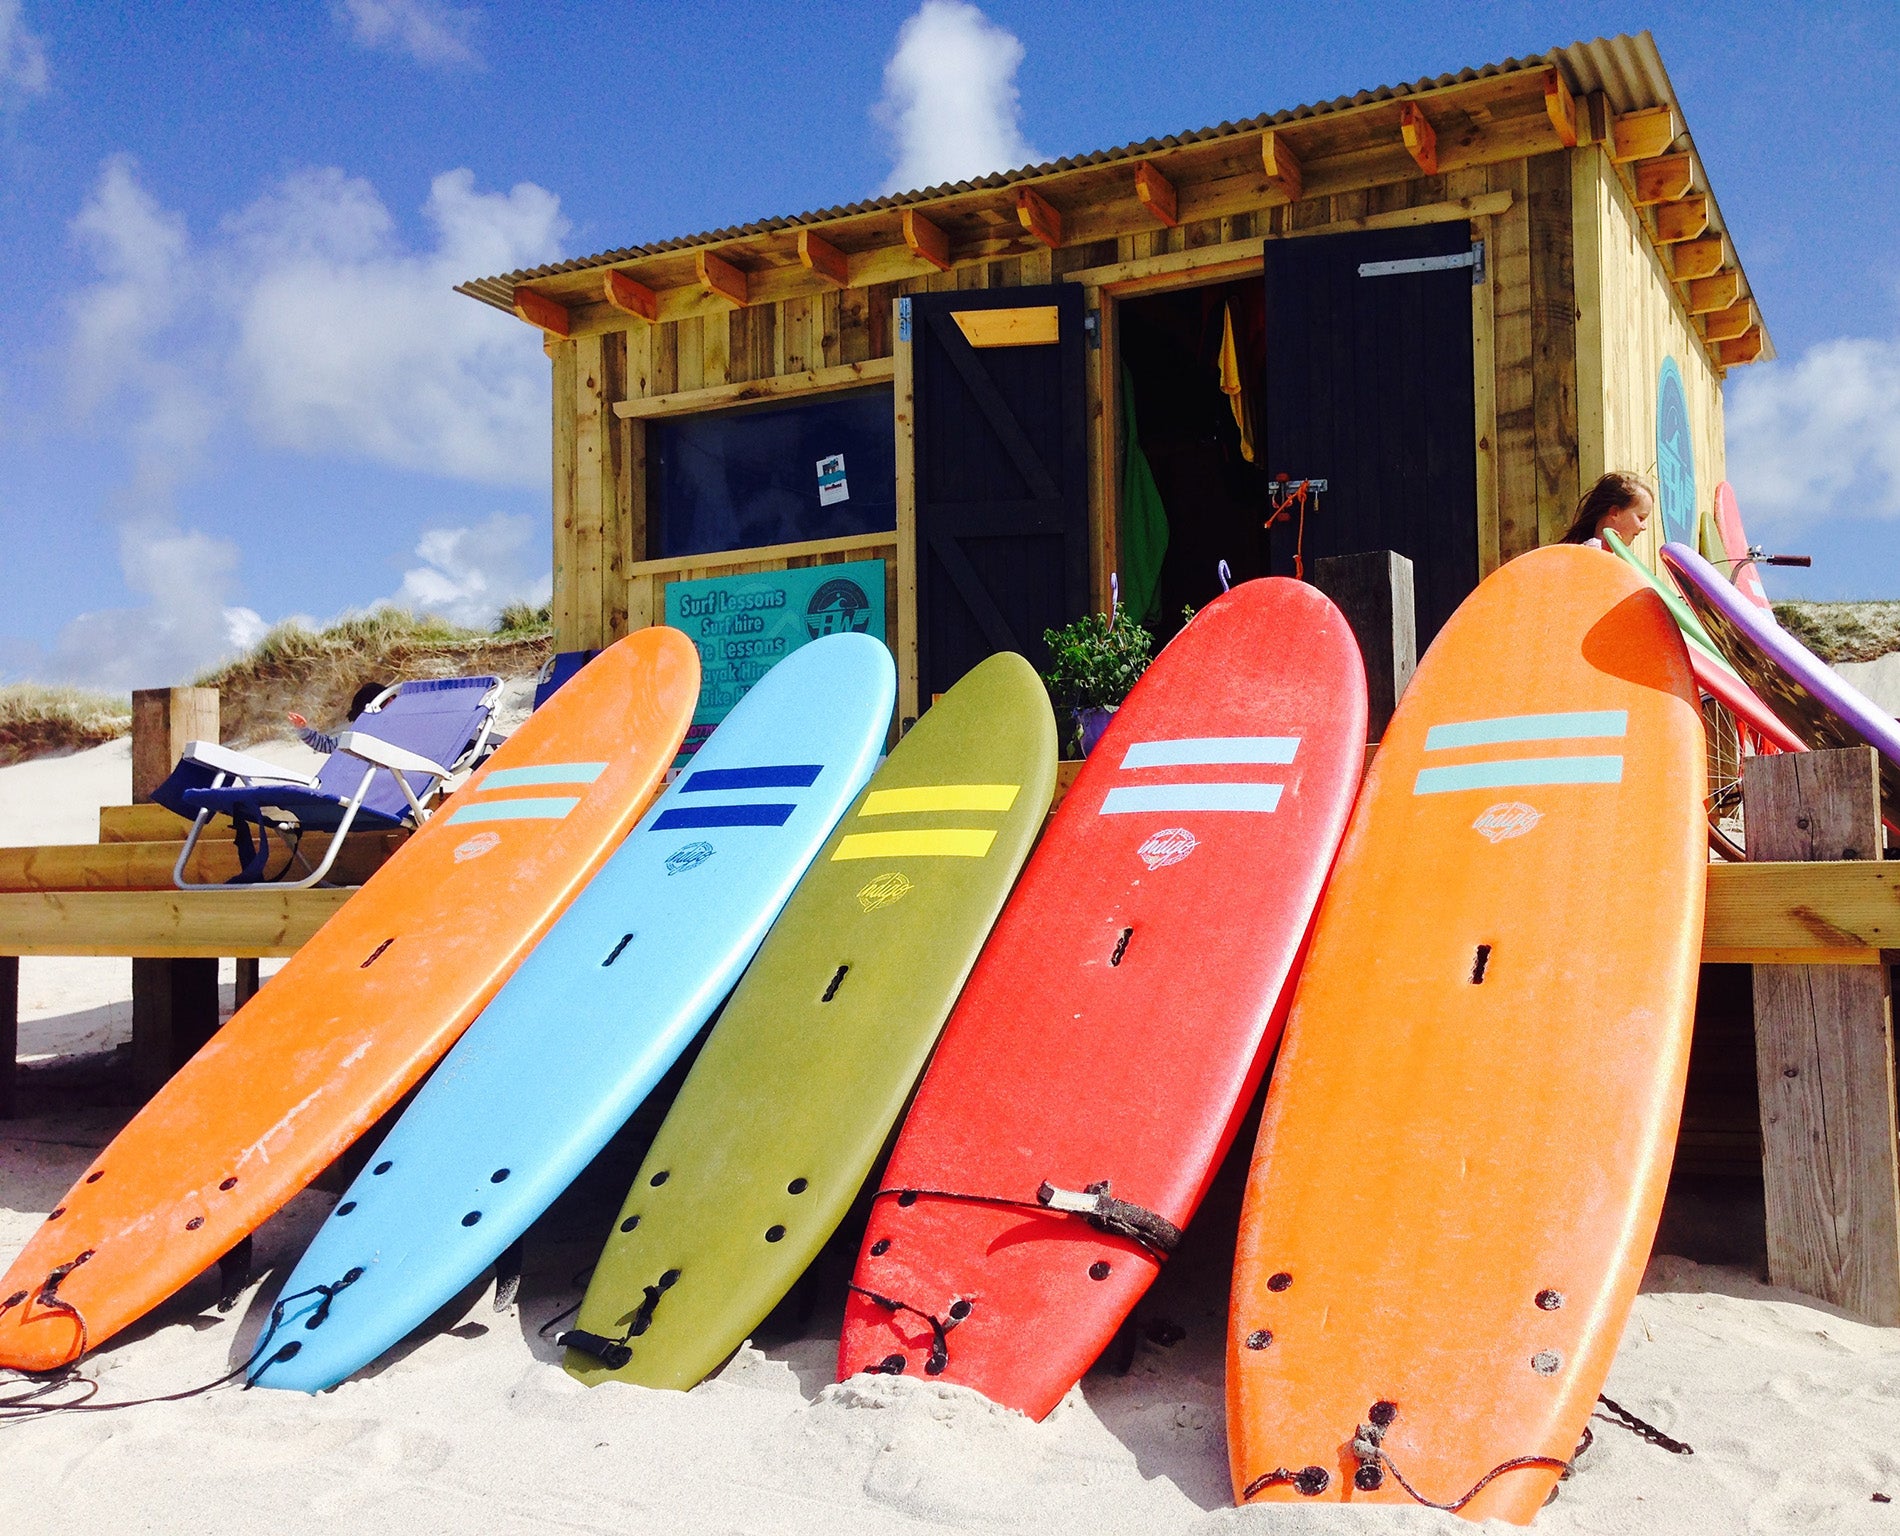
column 1157, row 194
column 1708, row 294
column 1561, row 108
column 1421, row 142
column 1743, row 349
column 539, row 309
column 1698, row 258
column 1664, row 180
column 1730, row 324
column 721, row 279
column 1039, row 216
column 625, row 294
column 817, row 254
column 1682, row 221
column 1643, row 135
column 926, row 240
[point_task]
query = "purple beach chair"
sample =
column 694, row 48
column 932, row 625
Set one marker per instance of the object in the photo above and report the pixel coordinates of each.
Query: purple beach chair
column 387, row 766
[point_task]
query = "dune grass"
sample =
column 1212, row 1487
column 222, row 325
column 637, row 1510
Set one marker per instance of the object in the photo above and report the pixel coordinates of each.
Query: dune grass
column 40, row 720
column 316, row 671
column 1843, row 631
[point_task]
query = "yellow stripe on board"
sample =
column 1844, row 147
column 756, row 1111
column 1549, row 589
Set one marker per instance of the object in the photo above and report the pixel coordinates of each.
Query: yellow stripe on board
column 940, row 797
column 941, row 843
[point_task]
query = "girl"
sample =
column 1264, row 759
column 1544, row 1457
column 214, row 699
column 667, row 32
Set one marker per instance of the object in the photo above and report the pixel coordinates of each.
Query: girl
column 1619, row 501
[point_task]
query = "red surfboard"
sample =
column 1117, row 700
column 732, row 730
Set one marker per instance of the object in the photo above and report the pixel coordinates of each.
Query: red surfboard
column 1738, row 564
column 1115, row 1027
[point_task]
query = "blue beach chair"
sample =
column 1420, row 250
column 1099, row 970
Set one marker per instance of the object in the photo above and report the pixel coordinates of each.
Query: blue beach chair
column 386, row 768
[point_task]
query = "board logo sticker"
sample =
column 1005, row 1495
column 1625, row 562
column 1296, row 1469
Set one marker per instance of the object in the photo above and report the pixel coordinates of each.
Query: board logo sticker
column 1168, row 846
column 883, row 890
column 1508, row 818
column 476, row 846
column 689, row 857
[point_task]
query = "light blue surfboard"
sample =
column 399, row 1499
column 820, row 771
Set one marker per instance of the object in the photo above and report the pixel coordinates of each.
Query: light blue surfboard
column 580, row 1034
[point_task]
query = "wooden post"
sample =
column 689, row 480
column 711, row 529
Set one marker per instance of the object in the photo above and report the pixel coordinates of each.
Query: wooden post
column 1374, row 591
column 163, row 720
column 174, row 1002
column 9, row 1034
column 1824, row 1055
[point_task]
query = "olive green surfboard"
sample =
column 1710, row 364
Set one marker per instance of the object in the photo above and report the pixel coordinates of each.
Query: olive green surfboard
column 794, row 1095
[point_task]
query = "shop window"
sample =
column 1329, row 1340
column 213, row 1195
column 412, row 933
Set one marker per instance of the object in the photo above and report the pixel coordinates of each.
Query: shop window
column 772, row 475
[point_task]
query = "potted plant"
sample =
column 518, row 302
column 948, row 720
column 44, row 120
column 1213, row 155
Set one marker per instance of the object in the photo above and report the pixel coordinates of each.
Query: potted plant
column 1092, row 665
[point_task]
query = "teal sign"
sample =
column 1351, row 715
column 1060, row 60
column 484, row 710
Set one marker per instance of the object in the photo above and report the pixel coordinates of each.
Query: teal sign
column 744, row 625
column 1675, row 457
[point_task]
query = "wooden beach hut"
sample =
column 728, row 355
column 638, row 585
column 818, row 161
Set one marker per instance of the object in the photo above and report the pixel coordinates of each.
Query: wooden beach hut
column 1442, row 307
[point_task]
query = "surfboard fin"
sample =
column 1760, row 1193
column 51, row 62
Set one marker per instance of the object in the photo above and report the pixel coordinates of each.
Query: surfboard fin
column 234, row 1273
column 508, row 1276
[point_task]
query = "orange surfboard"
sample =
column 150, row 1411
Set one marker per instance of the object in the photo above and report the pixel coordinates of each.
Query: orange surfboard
column 1462, row 1158
column 360, row 1013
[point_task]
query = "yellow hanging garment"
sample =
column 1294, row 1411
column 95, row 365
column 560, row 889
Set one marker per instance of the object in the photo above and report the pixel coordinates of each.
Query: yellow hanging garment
column 1230, row 382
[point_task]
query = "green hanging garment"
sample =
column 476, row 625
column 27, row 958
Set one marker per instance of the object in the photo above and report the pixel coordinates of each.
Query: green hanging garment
column 1144, row 521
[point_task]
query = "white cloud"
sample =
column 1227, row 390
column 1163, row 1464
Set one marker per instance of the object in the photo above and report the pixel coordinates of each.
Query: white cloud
column 1818, row 438
column 427, row 30
column 351, row 343
column 309, row 319
column 469, row 575
column 23, row 72
column 950, row 103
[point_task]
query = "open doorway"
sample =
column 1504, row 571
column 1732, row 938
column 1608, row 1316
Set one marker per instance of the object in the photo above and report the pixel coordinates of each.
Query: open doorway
column 1199, row 443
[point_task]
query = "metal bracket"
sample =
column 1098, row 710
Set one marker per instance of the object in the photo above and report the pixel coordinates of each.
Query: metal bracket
column 1093, row 330
column 1473, row 258
column 903, row 318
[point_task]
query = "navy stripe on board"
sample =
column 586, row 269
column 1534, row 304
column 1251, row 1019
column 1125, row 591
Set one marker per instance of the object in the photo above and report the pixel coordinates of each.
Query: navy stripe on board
column 683, row 816
column 784, row 776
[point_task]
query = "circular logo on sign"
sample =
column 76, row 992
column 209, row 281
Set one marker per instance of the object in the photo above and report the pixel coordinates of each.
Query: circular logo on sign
column 476, row 846
column 883, row 890
column 1168, row 846
column 689, row 857
column 1511, row 818
column 1675, row 456
column 838, row 607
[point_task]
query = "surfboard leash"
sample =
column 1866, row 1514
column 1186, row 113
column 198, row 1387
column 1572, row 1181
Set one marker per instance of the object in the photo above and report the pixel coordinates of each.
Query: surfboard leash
column 1368, row 1448
column 1102, row 1210
column 26, row 1405
column 939, row 1358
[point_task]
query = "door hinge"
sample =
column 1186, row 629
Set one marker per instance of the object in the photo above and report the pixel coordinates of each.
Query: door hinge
column 1473, row 258
column 903, row 318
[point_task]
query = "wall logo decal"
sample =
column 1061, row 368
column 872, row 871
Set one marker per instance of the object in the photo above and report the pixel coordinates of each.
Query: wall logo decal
column 1675, row 457
column 1168, row 846
column 838, row 607
column 1508, row 818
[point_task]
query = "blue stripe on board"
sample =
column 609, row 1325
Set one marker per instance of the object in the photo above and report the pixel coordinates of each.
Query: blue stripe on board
column 551, row 809
column 1191, row 797
column 784, row 776
column 546, row 773
column 683, row 816
column 1560, row 727
column 1194, row 751
column 1515, row 771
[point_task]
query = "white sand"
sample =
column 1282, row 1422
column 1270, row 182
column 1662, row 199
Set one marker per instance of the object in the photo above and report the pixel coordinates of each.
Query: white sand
column 1793, row 1410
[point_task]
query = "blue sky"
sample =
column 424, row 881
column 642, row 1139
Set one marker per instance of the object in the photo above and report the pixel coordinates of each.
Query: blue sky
column 234, row 386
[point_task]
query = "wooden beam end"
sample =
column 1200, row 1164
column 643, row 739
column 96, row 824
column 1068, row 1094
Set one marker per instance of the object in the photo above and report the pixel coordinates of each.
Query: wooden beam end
column 926, row 241
column 632, row 298
column 1039, row 216
column 721, row 279
column 1282, row 164
column 1421, row 141
column 1157, row 194
column 819, row 255
column 538, row 309
column 1561, row 107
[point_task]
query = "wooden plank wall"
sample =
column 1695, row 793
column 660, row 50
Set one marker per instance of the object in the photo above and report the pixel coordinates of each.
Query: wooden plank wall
column 603, row 584
column 1630, row 318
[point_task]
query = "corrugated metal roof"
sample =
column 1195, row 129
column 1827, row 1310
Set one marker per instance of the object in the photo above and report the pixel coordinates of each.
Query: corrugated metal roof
column 1627, row 69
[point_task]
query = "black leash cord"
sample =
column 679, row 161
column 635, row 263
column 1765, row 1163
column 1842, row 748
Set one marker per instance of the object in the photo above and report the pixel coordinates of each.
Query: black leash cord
column 1153, row 1233
column 23, row 1406
column 1645, row 1431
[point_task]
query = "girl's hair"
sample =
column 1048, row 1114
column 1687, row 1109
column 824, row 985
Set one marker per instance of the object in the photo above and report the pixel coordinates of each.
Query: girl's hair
column 1611, row 494
column 365, row 696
